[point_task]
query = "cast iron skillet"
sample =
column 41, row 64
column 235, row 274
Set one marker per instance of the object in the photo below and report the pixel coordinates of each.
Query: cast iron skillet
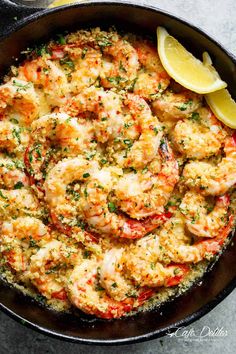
column 219, row 281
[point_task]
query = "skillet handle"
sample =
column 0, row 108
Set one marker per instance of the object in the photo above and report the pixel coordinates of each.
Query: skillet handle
column 12, row 13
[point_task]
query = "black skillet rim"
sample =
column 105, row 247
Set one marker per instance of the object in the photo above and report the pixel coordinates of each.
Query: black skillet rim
column 185, row 321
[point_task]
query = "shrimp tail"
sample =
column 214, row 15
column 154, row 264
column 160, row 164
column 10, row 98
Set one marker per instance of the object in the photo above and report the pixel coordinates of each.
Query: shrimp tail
column 119, row 309
column 213, row 246
column 183, row 270
column 134, row 229
column 145, row 295
column 60, row 295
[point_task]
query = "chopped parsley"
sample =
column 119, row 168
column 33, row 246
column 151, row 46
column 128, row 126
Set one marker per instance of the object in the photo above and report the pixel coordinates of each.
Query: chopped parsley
column 40, row 298
column 103, row 41
column 116, row 80
column 152, row 265
column 156, row 130
column 14, row 121
column 128, row 142
column 90, row 155
column 3, row 196
column 41, row 50
column 128, row 124
column 84, row 51
column 103, row 161
column 176, row 271
column 68, row 62
column 132, row 294
column 61, row 39
column 86, row 254
column 21, row 86
column 70, row 190
column 18, row 185
column 122, row 68
column 99, row 288
column 144, row 170
column 16, row 133
column 195, row 117
column 32, row 243
column 112, row 208
column 185, row 105
column 53, row 269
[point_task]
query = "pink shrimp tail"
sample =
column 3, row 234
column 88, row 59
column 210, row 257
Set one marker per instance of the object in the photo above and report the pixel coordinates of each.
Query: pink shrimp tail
column 136, row 229
column 119, row 309
column 226, row 230
column 184, row 270
column 214, row 245
column 145, row 295
column 60, row 295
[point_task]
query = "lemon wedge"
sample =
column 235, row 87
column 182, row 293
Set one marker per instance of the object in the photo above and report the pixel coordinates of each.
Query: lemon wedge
column 184, row 68
column 61, row 3
column 223, row 106
column 220, row 102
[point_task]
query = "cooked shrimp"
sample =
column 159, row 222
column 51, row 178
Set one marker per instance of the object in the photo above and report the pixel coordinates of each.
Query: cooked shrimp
column 11, row 174
column 103, row 107
column 210, row 179
column 177, row 245
column 123, row 271
column 145, row 193
column 152, row 77
column 88, row 66
column 199, row 136
column 120, row 63
column 60, row 177
column 80, row 59
column 112, row 276
column 48, row 269
column 101, row 214
column 19, row 101
column 104, row 55
column 56, row 130
column 19, row 239
column 13, row 138
column 199, row 221
column 46, row 75
column 86, row 293
column 173, row 106
column 145, row 148
column 141, row 262
column 137, row 142
column 114, row 122
column 63, row 200
column 92, row 199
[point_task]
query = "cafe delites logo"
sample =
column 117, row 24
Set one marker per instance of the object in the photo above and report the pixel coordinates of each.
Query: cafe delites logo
column 192, row 334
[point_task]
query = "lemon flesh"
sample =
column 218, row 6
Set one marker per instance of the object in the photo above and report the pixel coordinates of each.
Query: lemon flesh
column 61, row 2
column 223, row 106
column 184, row 68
